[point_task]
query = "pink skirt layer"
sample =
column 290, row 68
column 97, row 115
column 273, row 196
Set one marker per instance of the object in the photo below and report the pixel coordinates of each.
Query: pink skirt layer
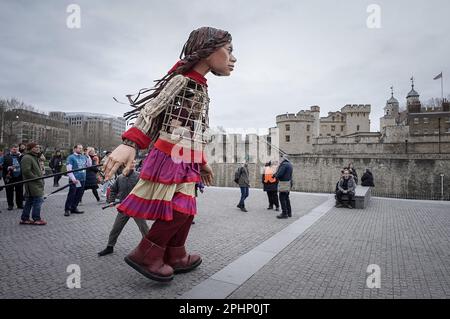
column 159, row 168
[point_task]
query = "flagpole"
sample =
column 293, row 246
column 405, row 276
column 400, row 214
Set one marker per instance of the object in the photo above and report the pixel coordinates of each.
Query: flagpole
column 442, row 87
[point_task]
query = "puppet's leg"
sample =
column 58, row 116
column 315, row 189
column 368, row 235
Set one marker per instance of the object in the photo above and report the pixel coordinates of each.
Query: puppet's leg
column 148, row 257
column 176, row 255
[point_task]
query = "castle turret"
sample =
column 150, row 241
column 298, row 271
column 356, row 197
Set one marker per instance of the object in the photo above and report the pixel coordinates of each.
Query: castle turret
column 391, row 112
column 392, row 106
column 296, row 131
column 413, row 104
column 357, row 117
column 315, row 111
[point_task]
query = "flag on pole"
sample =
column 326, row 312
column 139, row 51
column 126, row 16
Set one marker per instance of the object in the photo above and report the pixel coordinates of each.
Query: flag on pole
column 438, row 76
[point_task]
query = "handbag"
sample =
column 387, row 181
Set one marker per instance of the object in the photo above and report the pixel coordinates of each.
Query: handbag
column 284, row 186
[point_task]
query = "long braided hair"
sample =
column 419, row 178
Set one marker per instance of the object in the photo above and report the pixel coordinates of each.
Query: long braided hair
column 202, row 43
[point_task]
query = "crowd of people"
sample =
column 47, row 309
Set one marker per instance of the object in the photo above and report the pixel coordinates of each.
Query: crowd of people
column 26, row 161
column 277, row 183
column 22, row 162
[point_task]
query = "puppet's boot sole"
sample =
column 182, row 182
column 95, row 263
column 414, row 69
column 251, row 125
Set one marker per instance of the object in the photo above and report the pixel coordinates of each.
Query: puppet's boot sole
column 147, row 259
column 180, row 260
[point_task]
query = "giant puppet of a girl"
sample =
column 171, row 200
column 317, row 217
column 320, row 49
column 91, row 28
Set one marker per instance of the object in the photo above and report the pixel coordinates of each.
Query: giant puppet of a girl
column 172, row 119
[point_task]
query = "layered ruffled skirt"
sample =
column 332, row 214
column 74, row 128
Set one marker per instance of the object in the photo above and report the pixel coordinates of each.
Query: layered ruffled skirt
column 166, row 183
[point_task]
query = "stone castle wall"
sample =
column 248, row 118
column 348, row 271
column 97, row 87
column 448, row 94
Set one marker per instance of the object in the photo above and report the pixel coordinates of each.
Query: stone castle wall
column 395, row 175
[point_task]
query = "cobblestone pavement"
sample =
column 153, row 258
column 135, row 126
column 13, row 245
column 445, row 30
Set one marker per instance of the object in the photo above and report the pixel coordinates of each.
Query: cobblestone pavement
column 34, row 259
column 408, row 240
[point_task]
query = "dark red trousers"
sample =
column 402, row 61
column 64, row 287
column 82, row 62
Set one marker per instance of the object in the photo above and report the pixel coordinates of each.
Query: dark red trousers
column 171, row 233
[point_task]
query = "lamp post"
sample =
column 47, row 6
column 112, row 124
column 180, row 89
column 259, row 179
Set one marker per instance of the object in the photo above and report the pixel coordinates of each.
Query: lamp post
column 17, row 120
column 2, row 107
column 439, row 134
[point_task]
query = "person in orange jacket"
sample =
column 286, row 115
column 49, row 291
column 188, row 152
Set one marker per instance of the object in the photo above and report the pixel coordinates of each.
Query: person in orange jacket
column 270, row 185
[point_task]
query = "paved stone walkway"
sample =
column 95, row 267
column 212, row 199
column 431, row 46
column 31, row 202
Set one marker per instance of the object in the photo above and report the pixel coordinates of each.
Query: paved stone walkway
column 34, row 259
column 327, row 257
column 408, row 240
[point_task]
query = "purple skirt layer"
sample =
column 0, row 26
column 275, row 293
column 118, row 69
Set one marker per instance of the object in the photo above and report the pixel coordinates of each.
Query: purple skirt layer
column 160, row 168
column 184, row 204
column 151, row 209
column 137, row 207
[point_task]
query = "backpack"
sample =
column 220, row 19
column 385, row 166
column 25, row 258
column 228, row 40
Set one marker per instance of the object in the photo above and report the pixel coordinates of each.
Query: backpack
column 237, row 174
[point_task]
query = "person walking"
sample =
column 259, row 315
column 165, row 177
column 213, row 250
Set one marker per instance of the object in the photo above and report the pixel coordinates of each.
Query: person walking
column 11, row 174
column 123, row 185
column 77, row 180
column 270, row 185
column 284, row 177
column 34, row 191
column 242, row 178
column 91, row 173
column 56, row 164
column 2, row 156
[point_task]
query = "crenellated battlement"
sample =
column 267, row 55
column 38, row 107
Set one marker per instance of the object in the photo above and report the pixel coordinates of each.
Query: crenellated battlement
column 350, row 108
column 302, row 116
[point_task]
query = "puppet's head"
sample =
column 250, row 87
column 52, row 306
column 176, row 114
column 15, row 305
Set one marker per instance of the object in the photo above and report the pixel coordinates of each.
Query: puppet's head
column 210, row 46
column 206, row 46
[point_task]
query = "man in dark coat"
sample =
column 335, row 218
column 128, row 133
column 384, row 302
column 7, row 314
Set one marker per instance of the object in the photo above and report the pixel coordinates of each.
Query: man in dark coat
column 284, row 177
column 34, row 191
column 346, row 186
column 11, row 174
column 270, row 185
column 367, row 178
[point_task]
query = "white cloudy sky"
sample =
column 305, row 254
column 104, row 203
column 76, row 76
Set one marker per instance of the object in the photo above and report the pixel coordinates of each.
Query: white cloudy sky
column 291, row 54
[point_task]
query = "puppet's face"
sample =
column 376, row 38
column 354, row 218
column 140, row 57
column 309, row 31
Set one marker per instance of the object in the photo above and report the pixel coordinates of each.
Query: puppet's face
column 222, row 60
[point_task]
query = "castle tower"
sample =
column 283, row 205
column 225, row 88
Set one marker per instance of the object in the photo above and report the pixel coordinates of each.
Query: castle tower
column 357, row 117
column 296, row 131
column 315, row 111
column 412, row 100
column 392, row 106
column 391, row 111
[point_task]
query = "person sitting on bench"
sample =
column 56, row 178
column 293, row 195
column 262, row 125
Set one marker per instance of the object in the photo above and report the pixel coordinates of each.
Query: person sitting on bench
column 346, row 186
column 367, row 179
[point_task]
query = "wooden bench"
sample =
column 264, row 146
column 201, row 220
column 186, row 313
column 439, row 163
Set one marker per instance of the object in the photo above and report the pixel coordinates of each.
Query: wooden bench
column 361, row 198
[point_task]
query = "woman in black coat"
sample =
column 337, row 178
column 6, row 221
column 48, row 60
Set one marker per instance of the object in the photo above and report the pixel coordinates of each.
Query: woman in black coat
column 352, row 171
column 56, row 164
column 367, row 178
column 91, row 173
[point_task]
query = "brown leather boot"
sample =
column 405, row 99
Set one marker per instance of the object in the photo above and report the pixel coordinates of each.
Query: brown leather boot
column 180, row 261
column 147, row 258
